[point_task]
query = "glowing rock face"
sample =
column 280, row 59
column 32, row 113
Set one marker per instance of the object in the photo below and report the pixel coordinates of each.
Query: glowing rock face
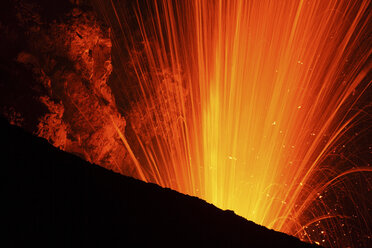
column 86, row 101
column 70, row 63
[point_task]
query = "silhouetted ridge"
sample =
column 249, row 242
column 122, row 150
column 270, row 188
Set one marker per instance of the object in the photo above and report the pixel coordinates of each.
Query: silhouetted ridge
column 55, row 199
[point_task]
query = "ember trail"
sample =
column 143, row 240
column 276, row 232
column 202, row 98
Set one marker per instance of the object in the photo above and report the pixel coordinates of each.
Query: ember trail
column 244, row 103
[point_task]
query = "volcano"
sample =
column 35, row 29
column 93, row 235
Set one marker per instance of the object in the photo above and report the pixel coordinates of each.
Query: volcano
column 51, row 198
column 258, row 107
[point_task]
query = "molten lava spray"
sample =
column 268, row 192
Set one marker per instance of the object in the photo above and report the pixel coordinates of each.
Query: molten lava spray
column 242, row 103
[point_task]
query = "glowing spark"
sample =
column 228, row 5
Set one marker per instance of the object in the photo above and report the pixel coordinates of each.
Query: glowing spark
column 216, row 77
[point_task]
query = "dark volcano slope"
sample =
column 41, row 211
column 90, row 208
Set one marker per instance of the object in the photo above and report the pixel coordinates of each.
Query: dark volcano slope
column 54, row 199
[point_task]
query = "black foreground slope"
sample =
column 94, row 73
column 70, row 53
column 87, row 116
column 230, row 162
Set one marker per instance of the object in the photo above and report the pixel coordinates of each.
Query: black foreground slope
column 54, row 199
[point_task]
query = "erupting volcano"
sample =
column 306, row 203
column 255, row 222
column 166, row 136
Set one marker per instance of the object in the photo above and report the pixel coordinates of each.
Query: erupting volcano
column 261, row 107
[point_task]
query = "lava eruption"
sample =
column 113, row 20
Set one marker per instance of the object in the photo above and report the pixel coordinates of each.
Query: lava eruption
column 246, row 104
column 262, row 107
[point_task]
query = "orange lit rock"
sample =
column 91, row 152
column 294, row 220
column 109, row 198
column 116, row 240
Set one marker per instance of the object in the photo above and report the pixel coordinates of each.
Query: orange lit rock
column 51, row 126
column 69, row 58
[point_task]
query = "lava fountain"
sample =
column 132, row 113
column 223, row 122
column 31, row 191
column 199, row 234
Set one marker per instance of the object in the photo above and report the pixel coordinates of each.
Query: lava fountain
column 244, row 103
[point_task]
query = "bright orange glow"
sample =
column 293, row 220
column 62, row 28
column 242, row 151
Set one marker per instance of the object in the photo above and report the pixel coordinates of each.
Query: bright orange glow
column 244, row 100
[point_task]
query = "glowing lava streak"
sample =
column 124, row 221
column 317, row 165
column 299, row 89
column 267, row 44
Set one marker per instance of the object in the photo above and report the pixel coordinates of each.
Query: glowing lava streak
column 245, row 99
